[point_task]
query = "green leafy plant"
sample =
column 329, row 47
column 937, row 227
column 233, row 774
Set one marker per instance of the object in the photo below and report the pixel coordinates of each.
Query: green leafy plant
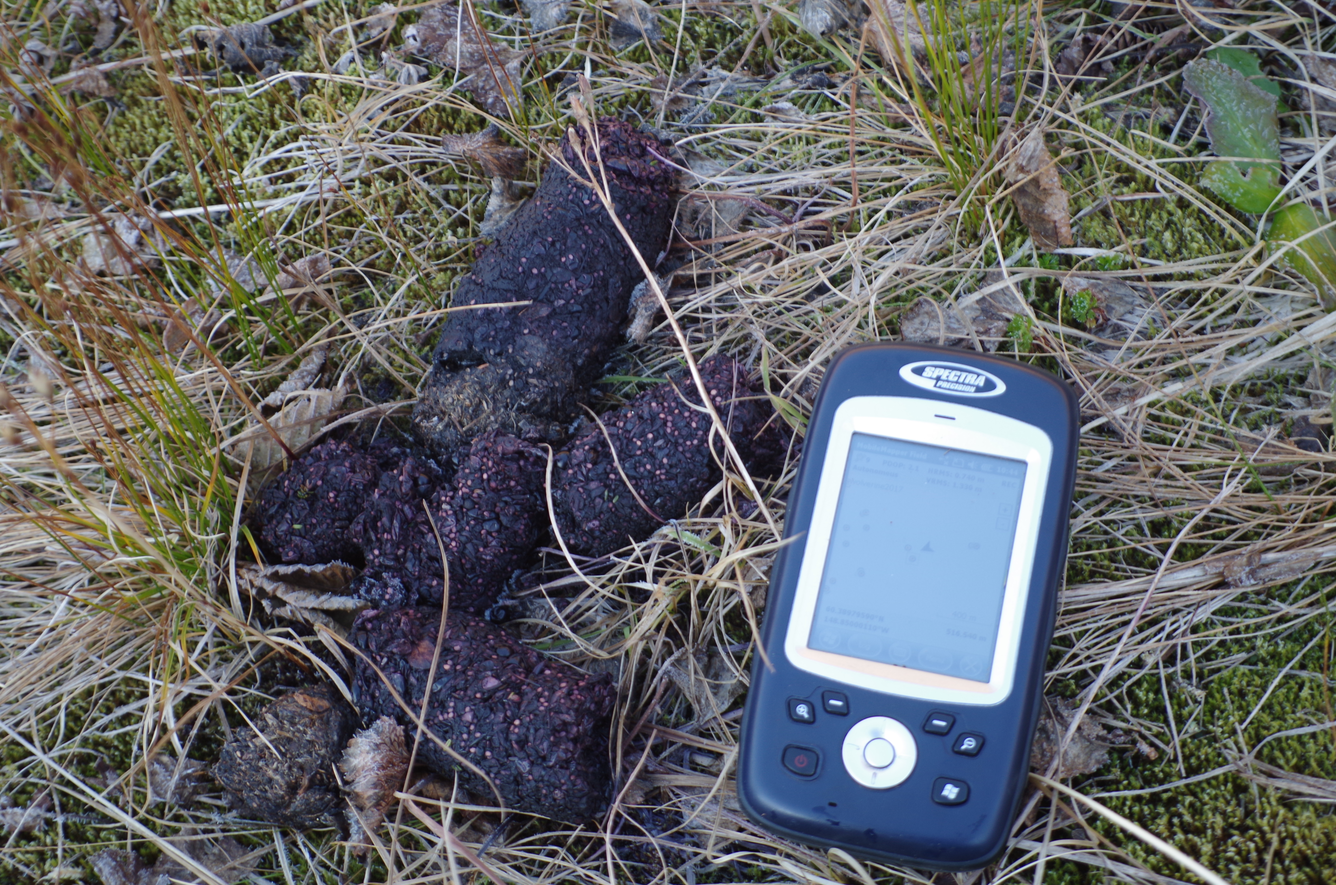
column 1020, row 331
column 1083, row 307
column 1244, row 130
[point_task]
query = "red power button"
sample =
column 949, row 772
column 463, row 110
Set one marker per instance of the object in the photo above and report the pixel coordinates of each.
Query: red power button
column 802, row 761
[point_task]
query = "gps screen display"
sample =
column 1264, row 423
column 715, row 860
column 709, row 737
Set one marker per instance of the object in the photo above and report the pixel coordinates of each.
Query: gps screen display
column 918, row 558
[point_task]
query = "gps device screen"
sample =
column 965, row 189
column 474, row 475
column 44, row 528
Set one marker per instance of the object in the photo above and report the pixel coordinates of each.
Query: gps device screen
column 919, row 552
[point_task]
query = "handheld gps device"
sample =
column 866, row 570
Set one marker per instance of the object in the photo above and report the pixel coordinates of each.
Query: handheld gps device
column 911, row 610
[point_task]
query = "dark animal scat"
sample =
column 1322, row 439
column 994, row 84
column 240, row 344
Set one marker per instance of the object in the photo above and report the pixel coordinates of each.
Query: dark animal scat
column 521, row 369
column 663, row 448
column 285, row 774
column 537, row 728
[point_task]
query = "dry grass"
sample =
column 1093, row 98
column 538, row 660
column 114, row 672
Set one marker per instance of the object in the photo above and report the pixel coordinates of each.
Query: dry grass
column 127, row 458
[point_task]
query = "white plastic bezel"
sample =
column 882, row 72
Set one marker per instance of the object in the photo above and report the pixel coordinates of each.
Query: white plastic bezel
column 933, row 423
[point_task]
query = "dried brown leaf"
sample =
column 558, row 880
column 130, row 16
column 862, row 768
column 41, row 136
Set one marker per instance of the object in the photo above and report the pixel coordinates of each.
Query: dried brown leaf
column 309, row 594
column 189, row 317
column 246, row 48
column 667, row 96
column 1120, row 309
column 821, row 18
column 1087, row 751
column 1080, row 58
column 992, row 72
column 1121, row 403
column 16, row 211
column 374, row 768
column 895, row 31
column 787, row 110
column 121, row 245
column 545, row 15
column 174, row 781
column 930, row 322
column 245, row 271
column 455, row 41
column 27, row 819
column 306, row 271
column 505, row 199
column 645, row 308
column 1040, row 198
column 486, row 148
column 109, row 14
column 635, row 20
column 708, row 219
column 381, row 22
column 303, row 415
column 396, row 70
column 116, row 867
column 36, row 59
column 300, row 279
column 89, row 81
column 302, row 377
column 223, row 856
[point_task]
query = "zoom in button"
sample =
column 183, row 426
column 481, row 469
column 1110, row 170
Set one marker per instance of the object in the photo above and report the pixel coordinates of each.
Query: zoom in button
column 802, row 761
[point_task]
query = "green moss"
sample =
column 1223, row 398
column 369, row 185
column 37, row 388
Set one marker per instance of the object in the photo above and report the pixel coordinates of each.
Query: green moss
column 1228, row 822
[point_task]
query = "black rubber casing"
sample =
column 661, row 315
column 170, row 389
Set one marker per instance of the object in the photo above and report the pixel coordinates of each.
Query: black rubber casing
column 904, row 824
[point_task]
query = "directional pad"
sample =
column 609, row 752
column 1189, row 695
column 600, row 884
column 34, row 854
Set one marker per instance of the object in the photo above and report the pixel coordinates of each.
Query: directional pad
column 879, row 752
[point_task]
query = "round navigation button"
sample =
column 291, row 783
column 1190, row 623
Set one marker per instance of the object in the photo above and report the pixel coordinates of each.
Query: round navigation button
column 878, row 753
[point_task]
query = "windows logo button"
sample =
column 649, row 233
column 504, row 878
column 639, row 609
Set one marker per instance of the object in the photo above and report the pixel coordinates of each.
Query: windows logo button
column 950, row 791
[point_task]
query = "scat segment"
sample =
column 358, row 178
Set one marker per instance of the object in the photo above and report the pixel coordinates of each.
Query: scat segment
column 537, row 728
column 520, row 369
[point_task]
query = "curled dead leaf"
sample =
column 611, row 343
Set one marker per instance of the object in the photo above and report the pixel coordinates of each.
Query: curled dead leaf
column 1088, row 749
column 895, row 31
column 374, row 767
column 300, row 279
column 121, row 245
column 187, row 323
column 1117, row 310
column 24, row 820
column 487, row 150
column 635, row 20
column 396, row 70
column 109, row 14
column 116, row 867
column 244, row 271
column 505, row 198
column 457, row 42
column 89, row 81
column 174, row 781
column 36, row 59
column 246, row 48
column 309, row 594
column 983, row 316
column 545, row 15
column 306, row 374
column 304, row 414
column 1040, row 198
column 645, row 308
column 821, row 18
column 223, row 856
column 381, row 22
